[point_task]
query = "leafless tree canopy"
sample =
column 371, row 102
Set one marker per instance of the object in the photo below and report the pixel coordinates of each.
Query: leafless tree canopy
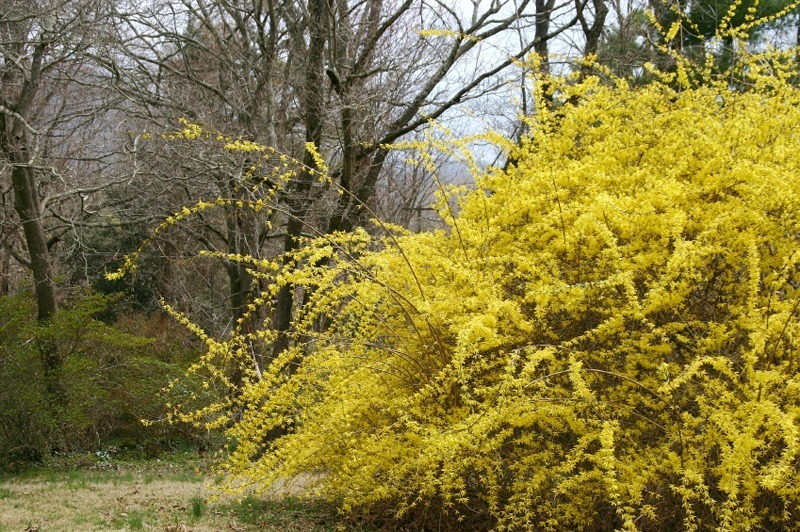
column 88, row 88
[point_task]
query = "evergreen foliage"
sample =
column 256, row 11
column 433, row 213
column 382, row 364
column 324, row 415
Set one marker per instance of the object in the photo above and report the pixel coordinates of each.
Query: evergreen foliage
column 109, row 380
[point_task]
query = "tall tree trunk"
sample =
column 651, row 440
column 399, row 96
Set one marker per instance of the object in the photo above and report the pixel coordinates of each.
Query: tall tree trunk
column 348, row 171
column 592, row 32
column 5, row 271
column 297, row 195
column 26, row 204
column 544, row 13
column 240, row 280
column 365, row 191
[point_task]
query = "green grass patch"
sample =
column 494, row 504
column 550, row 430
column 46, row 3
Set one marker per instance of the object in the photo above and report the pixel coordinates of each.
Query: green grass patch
column 291, row 513
column 6, row 493
column 198, row 506
column 130, row 520
column 123, row 478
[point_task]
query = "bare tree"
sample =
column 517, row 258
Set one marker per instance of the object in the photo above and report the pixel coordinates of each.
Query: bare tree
column 26, row 43
column 42, row 49
column 349, row 77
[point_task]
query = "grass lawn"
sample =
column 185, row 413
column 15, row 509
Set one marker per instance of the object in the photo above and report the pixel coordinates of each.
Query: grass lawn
column 166, row 495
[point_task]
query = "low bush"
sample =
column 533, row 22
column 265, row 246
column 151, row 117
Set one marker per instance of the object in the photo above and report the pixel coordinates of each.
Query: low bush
column 110, row 380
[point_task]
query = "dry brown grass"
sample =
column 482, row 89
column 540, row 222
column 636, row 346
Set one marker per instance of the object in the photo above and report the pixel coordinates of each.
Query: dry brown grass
column 119, row 500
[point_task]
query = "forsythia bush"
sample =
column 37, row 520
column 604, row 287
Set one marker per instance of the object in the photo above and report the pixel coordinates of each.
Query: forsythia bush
column 606, row 337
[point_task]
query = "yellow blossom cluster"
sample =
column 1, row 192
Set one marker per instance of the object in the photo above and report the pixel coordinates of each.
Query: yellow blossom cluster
column 606, row 338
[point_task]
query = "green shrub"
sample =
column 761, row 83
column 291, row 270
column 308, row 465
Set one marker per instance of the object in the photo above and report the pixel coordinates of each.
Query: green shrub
column 110, row 380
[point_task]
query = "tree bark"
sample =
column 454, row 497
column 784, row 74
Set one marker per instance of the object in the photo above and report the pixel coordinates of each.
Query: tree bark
column 26, row 204
column 297, row 194
column 5, row 271
column 592, row 32
column 544, row 11
column 240, row 283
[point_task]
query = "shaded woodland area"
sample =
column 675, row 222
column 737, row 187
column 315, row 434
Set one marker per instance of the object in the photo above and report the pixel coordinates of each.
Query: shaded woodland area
column 101, row 107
